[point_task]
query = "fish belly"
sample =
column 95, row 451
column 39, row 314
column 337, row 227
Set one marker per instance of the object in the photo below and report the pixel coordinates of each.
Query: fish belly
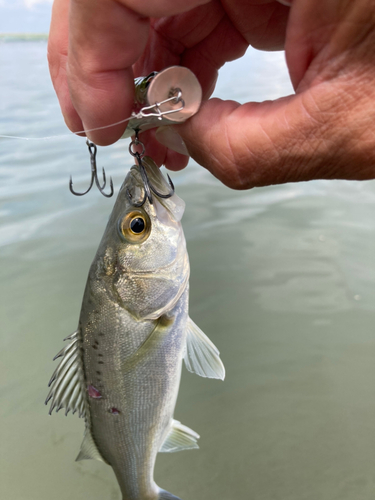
column 132, row 374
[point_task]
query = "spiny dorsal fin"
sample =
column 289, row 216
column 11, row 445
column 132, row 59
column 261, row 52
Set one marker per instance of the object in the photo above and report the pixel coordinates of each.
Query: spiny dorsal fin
column 202, row 356
column 89, row 449
column 179, row 438
column 66, row 390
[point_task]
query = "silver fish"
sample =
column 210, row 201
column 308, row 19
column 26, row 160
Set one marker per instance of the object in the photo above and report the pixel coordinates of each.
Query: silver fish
column 121, row 368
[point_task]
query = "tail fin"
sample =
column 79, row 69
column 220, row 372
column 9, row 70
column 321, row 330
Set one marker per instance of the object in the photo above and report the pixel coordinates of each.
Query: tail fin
column 165, row 495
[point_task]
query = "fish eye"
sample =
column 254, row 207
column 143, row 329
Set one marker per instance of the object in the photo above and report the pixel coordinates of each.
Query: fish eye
column 135, row 226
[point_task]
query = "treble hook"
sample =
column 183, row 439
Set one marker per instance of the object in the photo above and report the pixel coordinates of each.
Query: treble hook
column 94, row 175
column 148, row 187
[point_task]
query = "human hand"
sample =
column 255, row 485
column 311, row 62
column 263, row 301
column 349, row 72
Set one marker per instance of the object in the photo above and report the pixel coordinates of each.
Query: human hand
column 323, row 131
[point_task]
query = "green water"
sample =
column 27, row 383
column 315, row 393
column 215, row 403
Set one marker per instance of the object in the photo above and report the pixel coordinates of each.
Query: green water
column 282, row 280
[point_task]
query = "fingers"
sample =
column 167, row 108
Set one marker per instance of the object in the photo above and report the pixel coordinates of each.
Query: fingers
column 324, row 133
column 91, row 51
column 162, row 8
column 102, row 50
column 172, row 39
column 262, row 23
column 57, row 59
column 320, row 33
column 160, row 153
column 91, row 66
column 175, row 161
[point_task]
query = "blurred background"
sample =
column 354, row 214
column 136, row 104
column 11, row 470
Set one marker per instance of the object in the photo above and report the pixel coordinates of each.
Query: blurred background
column 282, row 281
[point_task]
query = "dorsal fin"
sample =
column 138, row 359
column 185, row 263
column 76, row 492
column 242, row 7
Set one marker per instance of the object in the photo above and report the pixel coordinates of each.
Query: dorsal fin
column 179, row 438
column 202, row 356
column 66, row 390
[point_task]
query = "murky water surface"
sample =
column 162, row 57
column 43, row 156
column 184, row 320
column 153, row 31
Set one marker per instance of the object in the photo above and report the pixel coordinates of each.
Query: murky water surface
column 283, row 281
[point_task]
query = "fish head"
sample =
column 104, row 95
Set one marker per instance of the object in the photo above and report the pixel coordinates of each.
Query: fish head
column 143, row 256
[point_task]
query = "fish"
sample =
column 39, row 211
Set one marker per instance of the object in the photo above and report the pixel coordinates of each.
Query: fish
column 120, row 370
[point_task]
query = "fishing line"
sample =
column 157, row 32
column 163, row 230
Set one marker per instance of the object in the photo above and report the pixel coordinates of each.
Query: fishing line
column 146, row 112
column 70, row 133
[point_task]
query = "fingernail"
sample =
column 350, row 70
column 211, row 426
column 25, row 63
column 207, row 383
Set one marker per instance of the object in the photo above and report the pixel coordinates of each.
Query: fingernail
column 168, row 136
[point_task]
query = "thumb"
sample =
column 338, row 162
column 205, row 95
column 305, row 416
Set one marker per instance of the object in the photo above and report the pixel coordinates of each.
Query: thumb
column 322, row 133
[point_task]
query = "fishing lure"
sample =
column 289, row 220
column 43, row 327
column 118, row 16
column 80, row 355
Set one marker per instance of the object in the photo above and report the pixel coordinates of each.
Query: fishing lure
column 165, row 98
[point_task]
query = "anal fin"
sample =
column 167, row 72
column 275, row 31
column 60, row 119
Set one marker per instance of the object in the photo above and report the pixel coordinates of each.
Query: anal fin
column 179, row 438
column 89, row 450
column 165, row 495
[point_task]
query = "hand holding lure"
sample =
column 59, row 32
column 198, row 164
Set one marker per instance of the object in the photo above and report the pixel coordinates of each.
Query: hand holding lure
column 154, row 107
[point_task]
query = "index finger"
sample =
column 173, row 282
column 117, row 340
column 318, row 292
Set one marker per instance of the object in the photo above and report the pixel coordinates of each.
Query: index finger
column 105, row 39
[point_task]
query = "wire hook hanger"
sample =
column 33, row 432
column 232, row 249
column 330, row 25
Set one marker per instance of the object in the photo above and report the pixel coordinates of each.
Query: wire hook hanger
column 94, row 175
column 174, row 95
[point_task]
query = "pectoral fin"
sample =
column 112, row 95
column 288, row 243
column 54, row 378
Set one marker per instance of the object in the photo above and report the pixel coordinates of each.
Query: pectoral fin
column 202, row 356
column 179, row 438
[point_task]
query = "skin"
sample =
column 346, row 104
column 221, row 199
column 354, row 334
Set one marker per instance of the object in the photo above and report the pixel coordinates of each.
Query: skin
column 324, row 130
